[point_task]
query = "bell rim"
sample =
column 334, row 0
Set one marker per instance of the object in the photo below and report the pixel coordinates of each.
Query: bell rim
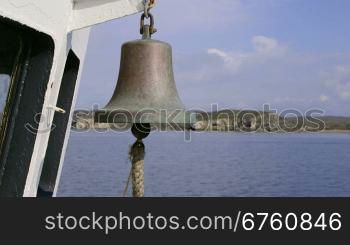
column 185, row 118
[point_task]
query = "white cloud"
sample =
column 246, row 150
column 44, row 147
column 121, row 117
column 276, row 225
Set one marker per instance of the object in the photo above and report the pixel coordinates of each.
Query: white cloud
column 324, row 98
column 269, row 72
column 264, row 44
column 344, row 91
column 338, row 79
column 232, row 61
column 265, row 48
column 225, row 56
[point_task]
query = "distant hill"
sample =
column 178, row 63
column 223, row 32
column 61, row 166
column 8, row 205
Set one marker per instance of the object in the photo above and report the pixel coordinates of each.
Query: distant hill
column 333, row 122
column 242, row 120
column 330, row 122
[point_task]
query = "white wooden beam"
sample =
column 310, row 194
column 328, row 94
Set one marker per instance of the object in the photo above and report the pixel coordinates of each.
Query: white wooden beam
column 90, row 12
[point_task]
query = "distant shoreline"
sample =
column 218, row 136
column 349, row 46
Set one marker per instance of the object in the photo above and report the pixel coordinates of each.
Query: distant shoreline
column 240, row 121
column 327, row 131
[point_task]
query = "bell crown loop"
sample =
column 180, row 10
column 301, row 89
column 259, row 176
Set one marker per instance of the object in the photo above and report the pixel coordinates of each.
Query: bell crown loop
column 147, row 30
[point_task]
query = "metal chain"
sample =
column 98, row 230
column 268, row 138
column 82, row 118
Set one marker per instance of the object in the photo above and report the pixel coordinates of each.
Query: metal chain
column 151, row 29
column 148, row 4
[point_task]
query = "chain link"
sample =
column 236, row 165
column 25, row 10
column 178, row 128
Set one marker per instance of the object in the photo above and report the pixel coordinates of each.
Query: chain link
column 149, row 4
column 152, row 30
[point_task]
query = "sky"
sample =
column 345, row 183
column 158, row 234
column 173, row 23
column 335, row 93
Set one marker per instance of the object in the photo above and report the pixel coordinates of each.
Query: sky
column 239, row 54
column 4, row 85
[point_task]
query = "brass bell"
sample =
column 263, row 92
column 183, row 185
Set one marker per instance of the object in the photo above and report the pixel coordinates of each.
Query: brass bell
column 146, row 92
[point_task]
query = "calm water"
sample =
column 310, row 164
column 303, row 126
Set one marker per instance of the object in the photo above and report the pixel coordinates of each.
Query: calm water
column 212, row 164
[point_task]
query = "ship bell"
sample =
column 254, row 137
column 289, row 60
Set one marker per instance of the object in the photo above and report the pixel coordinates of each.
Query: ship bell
column 146, row 92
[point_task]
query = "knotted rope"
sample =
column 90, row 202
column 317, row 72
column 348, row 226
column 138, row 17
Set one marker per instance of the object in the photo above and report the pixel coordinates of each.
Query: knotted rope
column 137, row 156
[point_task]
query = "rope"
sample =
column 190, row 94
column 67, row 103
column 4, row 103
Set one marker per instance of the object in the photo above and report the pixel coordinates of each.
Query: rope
column 137, row 155
column 125, row 193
